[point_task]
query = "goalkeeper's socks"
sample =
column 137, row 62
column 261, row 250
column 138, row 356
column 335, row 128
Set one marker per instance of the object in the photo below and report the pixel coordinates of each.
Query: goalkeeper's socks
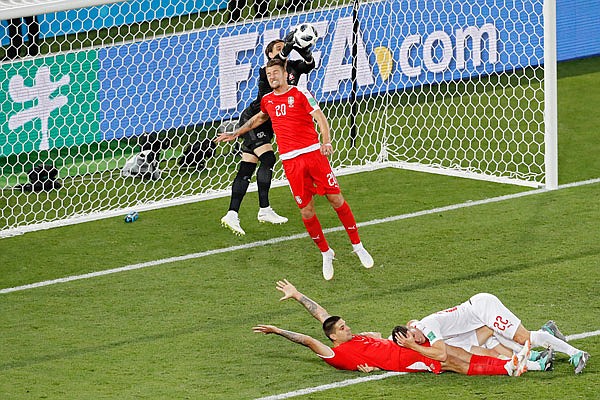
column 313, row 227
column 347, row 218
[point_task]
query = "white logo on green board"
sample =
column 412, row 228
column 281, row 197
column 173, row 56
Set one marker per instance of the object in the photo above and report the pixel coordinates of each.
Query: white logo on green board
column 41, row 94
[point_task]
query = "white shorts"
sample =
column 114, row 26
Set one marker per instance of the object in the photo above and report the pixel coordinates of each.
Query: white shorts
column 493, row 314
column 464, row 341
column 483, row 309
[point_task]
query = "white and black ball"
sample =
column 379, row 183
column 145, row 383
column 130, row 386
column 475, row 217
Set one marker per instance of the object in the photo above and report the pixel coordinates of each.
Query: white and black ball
column 305, row 35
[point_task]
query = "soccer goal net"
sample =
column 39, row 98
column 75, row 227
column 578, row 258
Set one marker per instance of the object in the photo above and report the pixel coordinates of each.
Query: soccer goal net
column 112, row 105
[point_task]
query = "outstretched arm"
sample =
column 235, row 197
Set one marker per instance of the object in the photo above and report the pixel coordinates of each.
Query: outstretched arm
column 252, row 123
column 290, row 291
column 305, row 340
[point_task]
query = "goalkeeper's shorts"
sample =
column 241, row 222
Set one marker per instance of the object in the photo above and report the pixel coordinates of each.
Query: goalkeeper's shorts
column 255, row 138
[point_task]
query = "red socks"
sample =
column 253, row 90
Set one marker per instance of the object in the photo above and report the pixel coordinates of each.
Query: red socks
column 347, row 218
column 483, row 365
column 313, row 227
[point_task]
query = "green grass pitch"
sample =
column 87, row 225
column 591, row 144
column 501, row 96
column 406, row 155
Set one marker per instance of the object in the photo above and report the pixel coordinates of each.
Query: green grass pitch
column 182, row 330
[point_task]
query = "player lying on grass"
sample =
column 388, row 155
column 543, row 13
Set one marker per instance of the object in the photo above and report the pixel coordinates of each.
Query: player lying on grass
column 480, row 341
column 480, row 319
column 367, row 352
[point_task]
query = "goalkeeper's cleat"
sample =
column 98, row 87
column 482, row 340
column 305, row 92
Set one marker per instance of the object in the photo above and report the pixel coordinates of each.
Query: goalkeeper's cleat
column 268, row 215
column 578, row 360
column 328, row 257
column 363, row 255
column 552, row 329
column 231, row 221
column 546, row 360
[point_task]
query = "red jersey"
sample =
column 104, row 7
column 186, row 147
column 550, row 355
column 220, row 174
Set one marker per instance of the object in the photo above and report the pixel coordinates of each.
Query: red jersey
column 290, row 114
column 381, row 353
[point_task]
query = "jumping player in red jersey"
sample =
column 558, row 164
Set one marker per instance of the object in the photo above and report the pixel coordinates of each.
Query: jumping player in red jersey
column 367, row 352
column 256, row 146
column 304, row 158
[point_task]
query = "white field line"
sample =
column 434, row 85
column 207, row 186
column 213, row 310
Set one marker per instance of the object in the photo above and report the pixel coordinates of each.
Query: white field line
column 368, row 378
column 583, row 335
column 285, row 238
column 334, row 385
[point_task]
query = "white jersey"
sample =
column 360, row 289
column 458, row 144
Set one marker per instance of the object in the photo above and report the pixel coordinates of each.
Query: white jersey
column 483, row 309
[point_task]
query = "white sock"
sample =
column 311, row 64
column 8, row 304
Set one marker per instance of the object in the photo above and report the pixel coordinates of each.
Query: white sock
column 544, row 339
column 325, row 253
column 358, row 246
column 511, row 344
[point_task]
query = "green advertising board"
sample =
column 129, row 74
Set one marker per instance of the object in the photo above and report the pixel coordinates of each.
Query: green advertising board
column 49, row 103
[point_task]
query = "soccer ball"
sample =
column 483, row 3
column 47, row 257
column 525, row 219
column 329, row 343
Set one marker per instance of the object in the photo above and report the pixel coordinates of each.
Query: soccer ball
column 305, row 35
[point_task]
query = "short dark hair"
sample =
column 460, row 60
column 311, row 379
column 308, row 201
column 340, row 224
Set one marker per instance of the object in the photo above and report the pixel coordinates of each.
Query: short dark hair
column 270, row 46
column 329, row 325
column 400, row 328
column 276, row 62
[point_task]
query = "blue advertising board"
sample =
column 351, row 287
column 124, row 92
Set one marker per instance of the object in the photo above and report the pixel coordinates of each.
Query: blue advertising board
column 211, row 75
column 179, row 80
column 577, row 28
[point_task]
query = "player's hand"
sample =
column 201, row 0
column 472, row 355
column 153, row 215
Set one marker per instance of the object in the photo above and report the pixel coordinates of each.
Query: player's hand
column 288, row 45
column 289, row 38
column 405, row 341
column 305, row 53
column 225, row 137
column 265, row 329
column 287, row 288
column 366, row 368
column 326, row 149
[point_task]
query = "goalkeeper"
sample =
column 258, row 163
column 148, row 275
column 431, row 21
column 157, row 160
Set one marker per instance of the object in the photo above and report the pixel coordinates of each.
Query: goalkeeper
column 257, row 145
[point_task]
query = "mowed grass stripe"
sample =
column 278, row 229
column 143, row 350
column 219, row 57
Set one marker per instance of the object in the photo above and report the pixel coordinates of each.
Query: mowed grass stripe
column 286, row 238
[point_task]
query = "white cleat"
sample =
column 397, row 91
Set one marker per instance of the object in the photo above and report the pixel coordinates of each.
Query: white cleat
column 511, row 365
column 328, row 257
column 522, row 358
column 268, row 215
column 231, row 221
column 363, row 255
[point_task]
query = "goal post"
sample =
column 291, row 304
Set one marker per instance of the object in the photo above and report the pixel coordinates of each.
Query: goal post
column 458, row 87
column 550, row 96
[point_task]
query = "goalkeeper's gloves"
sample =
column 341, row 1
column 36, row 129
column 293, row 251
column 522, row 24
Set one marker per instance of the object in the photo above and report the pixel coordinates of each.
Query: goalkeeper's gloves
column 305, row 53
column 288, row 45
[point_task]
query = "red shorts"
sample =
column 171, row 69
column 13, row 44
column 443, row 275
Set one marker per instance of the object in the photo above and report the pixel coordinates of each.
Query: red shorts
column 309, row 174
